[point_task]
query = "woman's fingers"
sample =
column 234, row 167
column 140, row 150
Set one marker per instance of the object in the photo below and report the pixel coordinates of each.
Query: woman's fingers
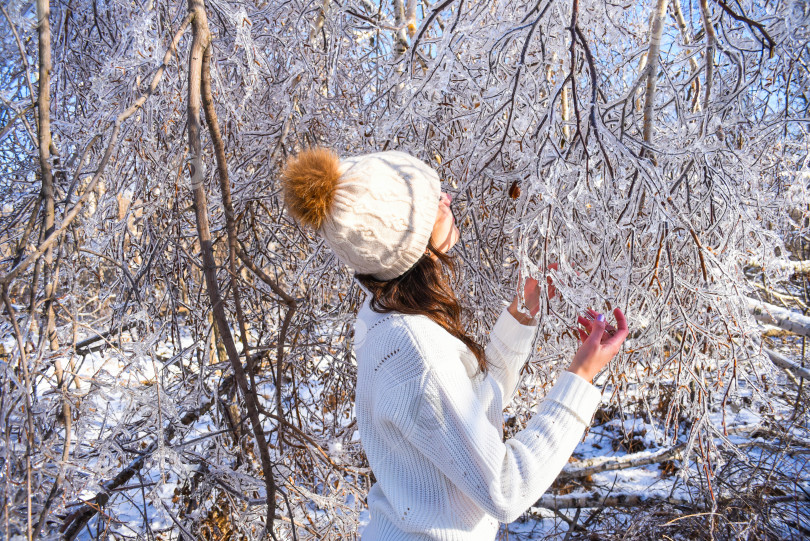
column 597, row 348
column 597, row 331
column 531, row 295
column 585, row 322
column 621, row 332
column 593, row 314
column 621, row 321
column 609, row 329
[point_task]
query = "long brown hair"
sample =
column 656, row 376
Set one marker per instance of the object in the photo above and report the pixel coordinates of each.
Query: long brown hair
column 425, row 289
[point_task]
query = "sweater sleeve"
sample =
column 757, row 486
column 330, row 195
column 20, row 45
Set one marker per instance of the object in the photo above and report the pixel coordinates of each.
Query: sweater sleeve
column 509, row 346
column 451, row 429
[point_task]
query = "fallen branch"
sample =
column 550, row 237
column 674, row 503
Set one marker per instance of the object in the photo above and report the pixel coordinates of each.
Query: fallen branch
column 779, row 317
column 622, row 499
column 797, row 267
column 599, row 500
column 82, row 347
column 786, row 300
column 786, row 364
column 583, row 468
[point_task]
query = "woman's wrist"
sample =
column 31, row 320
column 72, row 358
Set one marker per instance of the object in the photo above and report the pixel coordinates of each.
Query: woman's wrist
column 582, row 372
column 521, row 318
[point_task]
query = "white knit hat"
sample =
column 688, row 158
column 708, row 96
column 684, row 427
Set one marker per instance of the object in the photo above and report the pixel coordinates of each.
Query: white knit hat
column 376, row 211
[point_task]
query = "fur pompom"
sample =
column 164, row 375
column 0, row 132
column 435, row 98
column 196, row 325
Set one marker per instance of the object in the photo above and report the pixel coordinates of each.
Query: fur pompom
column 310, row 179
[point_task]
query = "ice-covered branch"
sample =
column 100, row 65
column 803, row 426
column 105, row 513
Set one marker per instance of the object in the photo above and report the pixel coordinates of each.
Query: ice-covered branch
column 598, row 500
column 783, row 362
column 635, row 499
column 583, row 468
column 75, row 522
column 779, row 317
column 199, row 48
column 798, row 267
column 71, row 215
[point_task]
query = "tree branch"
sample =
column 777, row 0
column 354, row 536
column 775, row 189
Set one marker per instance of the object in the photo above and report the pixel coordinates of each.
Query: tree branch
column 76, row 521
column 786, row 364
column 202, row 40
column 711, row 41
column 677, row 14
column 71, row 215
column 599, row 500
column 751, row 24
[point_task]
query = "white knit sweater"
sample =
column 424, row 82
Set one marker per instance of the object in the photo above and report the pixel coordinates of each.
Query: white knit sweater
column 432, row 428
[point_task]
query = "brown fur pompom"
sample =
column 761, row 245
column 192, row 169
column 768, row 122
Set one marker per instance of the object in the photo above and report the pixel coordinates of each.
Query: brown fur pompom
column 310, row 179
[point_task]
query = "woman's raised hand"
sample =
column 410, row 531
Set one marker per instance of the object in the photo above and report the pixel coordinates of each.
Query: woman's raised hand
column 600, row 343
column 531, row 292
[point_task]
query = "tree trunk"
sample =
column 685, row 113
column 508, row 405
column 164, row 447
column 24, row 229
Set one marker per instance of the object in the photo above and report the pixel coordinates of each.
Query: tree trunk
column 711, row 41
column 656, row 29
column 201, row 41
column 677, row 14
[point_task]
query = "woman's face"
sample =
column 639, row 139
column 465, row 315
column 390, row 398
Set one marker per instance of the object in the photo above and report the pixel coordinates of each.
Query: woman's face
column 445, row 233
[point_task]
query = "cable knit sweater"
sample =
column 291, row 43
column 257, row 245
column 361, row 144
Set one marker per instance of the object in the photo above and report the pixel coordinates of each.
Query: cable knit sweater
column 432, row 428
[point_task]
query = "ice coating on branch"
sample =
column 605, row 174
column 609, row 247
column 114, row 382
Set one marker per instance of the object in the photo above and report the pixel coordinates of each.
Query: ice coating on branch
column 676, row 232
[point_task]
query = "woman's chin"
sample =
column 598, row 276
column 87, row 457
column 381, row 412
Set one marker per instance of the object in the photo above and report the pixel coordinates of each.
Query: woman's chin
column 453, row 243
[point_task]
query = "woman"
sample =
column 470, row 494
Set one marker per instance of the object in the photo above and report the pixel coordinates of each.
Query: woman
column 429, row 399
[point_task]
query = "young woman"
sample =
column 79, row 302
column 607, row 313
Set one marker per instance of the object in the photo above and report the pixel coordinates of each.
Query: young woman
column 429, row 399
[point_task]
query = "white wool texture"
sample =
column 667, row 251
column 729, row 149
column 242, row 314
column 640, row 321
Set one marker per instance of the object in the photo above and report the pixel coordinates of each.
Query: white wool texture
column 383, row 213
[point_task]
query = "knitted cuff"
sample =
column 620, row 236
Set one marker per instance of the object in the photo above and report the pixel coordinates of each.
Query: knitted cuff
column 577, row 395
column 512, row 334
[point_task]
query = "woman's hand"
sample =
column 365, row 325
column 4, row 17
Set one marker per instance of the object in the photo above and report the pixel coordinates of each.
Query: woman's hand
column 531, row 296
column 600, row 343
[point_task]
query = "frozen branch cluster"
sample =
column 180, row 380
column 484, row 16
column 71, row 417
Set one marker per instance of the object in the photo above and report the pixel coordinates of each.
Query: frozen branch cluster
column 657, row 151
